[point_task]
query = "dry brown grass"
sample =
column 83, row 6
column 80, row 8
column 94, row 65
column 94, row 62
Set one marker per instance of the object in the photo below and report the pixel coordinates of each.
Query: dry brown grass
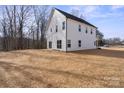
column 47, row 68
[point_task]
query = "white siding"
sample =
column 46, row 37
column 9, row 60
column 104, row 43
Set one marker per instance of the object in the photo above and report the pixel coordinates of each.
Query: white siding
column 73, row 34
column 53, row 36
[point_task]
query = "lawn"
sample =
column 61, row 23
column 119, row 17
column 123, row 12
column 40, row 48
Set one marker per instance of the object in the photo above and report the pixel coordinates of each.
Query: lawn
column 48, row 68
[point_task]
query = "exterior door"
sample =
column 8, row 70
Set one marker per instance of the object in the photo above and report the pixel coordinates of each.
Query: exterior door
column 59, row 44
column 50, row 44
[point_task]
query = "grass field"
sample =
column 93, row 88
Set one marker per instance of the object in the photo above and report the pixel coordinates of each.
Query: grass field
column 47, row 68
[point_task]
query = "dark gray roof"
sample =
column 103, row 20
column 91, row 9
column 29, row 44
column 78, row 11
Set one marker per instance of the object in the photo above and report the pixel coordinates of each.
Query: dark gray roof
column 74, row 17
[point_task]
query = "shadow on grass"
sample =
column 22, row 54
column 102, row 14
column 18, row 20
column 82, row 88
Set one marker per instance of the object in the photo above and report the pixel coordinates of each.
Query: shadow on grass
column 102, row 52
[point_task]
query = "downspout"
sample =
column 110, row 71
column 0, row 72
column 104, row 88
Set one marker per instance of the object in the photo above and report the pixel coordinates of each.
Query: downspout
column 66, row 34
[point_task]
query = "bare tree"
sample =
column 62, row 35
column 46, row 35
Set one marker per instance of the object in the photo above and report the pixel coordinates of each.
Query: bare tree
column 23, row 26
column 10, row 17
column 99, row 37
column 113, row 41
column 82, row 17
column 23, row 14
column 40, row 15
column 4, row 33
column 75, row 12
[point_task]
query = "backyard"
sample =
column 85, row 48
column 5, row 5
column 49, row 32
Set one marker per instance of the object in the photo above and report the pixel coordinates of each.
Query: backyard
column 49, row 68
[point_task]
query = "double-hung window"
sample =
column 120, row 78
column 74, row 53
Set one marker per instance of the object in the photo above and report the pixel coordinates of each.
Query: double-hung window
column 86, row 31
column 56, row 28
column 79, row 29
column 63, row 25
column 79, row 43
column 50, row 44
column 51, row 29
column 59, row 44
column 69, row 43
column 91, row 31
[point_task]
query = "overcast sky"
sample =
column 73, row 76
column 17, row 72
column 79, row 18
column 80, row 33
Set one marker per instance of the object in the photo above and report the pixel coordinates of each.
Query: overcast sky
column 108, row 19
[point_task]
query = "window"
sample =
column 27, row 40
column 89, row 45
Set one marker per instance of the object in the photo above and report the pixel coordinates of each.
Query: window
column 86, row 31
column 94, row 43
column 56, row 28
column 51, row 29
column 50, row 44
column 63, row 25
column 79, row 43
column 69, row 43
column 59, row 44
column 91, row 31
column 79, row 29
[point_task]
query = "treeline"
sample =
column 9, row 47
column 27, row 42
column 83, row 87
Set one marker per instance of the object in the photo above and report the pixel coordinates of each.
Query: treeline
column 101, row 41
column 113, row 41
column 23, row 27
column 99, row 38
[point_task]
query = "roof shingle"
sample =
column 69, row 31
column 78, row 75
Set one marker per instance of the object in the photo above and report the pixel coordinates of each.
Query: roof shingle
column 74, row 17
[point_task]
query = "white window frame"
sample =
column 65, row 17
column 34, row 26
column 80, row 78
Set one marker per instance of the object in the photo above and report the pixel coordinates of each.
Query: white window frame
column 59, row 44
column 79, row 43
column 69, row 43
column 56, row 28
column 50, row 44
column 79, row 28
column 63, row 25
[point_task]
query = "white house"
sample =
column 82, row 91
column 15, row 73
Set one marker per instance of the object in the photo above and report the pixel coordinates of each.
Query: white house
column 66, row 32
